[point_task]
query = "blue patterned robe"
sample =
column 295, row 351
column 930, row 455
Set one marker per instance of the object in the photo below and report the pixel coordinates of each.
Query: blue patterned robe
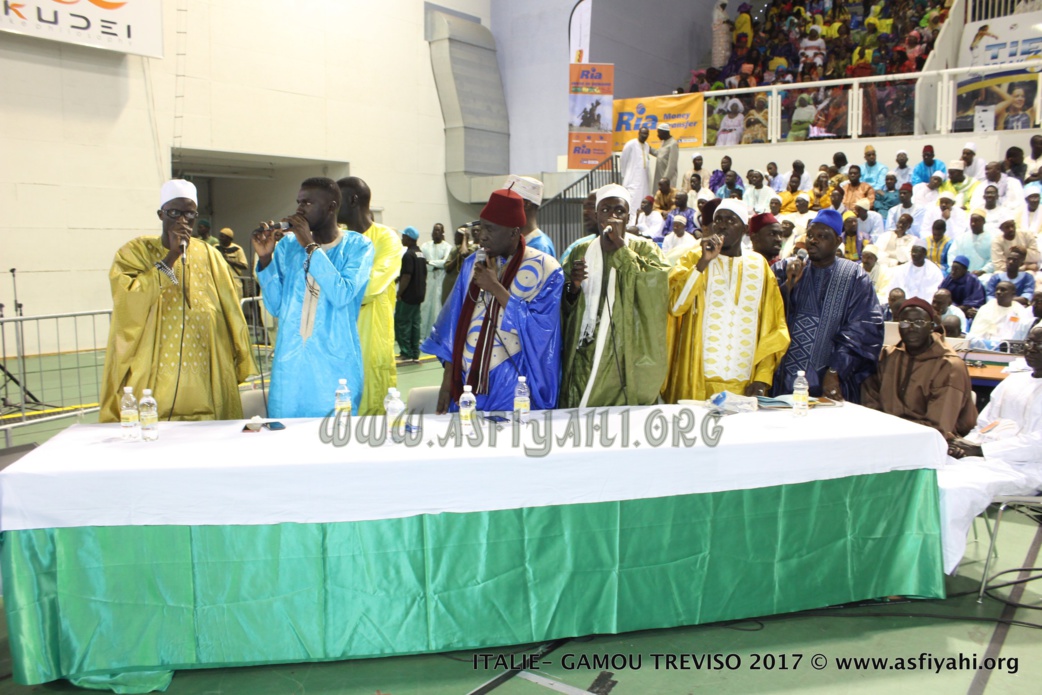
column 528, row 339
column 834, row 321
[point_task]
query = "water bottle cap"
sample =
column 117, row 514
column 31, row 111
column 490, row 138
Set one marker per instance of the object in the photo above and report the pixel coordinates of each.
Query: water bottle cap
column 147, row 392
column 343, row 382
column 467, row 388
column 128, row 389
column 801, row 373
column 521, row 379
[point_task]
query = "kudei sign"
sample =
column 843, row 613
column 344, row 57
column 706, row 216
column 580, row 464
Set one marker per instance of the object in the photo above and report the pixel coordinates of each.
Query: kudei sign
column 131, row 26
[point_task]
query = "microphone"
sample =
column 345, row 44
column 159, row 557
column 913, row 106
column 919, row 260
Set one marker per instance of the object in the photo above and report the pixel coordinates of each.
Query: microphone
column 480, row 256
column 280, row 225
column 802, row 255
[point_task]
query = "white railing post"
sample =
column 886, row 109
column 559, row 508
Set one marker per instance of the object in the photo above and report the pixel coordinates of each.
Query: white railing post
column 774, row 115
column 851, row 106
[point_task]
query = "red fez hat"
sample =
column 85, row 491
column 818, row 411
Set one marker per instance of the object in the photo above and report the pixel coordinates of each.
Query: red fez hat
column 928, row 148
column 918, row 303
column 709, row 209
column 649, row 199
column 504, row 207
column 906, row 187
column 758, row 222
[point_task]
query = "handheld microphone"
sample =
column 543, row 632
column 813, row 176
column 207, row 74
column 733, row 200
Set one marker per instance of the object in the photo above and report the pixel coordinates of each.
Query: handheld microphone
column 802, row 255
column 480, row 256
column 280, row 225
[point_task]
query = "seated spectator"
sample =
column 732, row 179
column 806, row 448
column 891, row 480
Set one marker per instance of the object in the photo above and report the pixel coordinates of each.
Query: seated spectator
column 731, row 187
column 1033, row 217
column 895, row 247
column 732, row 125
column 1009, row 193
column 680, row 239
column 789, row 195
column 972, row 165
column 664, row 196
column 957, row 222
column 798, row 169
column 821, row 193
column 856, row 189
column 649, row 220
column 774, row 180
column 1010, row 237
column 966, row 290
column 921, row 379
column 1000, row 318
column 836, row 200
column 696, row 168
column 919, row 278
column 928, row 167
column 887, row 197
column 926, row 194
column 902, row 171
column 872, row 172
column 938, row 244
column 716, row 180
column 1023, row 282
column 952, row 328
column 942, row 304
column 876, row 273
column 757, row 196
column 869, row 222
column 680, row 208
column 852, row 239
column 894, row 299
column 960, row 186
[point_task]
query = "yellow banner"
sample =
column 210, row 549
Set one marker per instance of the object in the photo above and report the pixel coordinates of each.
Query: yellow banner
column 683, row 113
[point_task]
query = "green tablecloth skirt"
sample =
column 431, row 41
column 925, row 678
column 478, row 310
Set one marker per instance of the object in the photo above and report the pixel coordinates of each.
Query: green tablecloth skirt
column 121, row 607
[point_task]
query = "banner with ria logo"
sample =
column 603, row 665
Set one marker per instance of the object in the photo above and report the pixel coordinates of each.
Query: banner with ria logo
column 590, row 89
column 682, row 112
column 131, row 26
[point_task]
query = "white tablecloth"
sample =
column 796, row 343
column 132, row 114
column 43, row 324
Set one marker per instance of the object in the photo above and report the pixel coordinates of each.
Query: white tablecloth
column 212, row 473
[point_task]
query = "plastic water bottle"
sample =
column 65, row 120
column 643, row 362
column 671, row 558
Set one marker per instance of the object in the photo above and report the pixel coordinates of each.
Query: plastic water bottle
column 467, row 407
column 148, row 414
column 342, row 407
column 391, row 393
column 522, row 400
column 130, row 425
column 395, row 416
column 800, row 395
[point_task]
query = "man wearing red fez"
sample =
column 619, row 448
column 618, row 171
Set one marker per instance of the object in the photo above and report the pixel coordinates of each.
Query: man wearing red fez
column 928, row 167
column 502, row 319
column 922, row 379
column 728, row 330
column 766, row 233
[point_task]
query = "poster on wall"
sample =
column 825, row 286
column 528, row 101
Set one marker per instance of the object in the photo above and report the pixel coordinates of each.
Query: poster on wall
column 1007, row 99
column 591, row 86
column 131, row 26
column 682, row 112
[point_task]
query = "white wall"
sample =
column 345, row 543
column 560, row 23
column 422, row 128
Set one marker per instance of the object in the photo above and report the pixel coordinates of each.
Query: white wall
column 86, row 135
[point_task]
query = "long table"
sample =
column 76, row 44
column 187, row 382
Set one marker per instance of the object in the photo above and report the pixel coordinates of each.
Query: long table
column 124, row 561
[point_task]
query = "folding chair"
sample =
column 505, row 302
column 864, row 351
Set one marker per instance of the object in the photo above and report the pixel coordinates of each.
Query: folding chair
column 1004, row 502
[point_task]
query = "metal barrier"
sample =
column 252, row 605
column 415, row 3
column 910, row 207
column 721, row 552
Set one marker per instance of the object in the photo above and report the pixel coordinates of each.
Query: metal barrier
column 561, row 217
column 52, row 366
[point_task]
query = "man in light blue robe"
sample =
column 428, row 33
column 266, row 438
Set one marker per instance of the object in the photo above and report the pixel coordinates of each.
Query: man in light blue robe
column 502, row 319
column 313, row 280
column 833, row 314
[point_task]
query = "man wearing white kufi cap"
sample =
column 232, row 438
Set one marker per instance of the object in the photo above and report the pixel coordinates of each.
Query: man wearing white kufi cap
column 177, row 327
column 728, row 331
column 613, row 314
column 920, row 278
column 668, row 156
column 531, row 192
column 960, row 184
column 974, row 165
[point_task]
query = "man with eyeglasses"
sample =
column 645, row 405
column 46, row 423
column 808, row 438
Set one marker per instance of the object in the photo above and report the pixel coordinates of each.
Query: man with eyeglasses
column 728, row 330
column 613, row 313
column 177, row 327
column 921, row 379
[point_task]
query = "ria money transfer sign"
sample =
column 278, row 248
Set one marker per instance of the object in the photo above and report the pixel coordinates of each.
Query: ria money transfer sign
column 682, row 112
column 591, row 86
column 1006, row 99
column 130, row 26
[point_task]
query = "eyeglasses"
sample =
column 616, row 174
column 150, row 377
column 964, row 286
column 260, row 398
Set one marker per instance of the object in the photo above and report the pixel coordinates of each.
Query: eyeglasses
column 189, row 215
column 919, row 323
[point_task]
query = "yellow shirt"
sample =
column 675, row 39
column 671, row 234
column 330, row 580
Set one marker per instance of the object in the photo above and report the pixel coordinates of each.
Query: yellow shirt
column 376, row 319
column 197, row 345
column 727, row 326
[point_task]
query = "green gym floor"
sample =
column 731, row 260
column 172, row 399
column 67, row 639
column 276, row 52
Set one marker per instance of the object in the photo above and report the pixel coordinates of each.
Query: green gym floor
column 786, row 649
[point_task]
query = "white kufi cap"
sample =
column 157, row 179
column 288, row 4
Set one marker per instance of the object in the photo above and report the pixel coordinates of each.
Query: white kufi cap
column 612, row 190
column 525, row 186
column 736, row 206
column 177, row 188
